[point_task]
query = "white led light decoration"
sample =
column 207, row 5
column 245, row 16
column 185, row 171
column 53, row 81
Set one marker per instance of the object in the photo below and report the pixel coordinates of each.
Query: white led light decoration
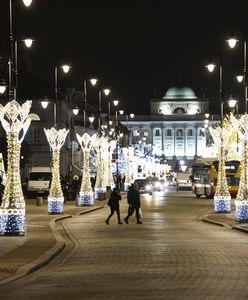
column 86, row 195
column 128, row 179
column 100, row 186
column 222, row 197
column 241, row 202
column 15, row 120
column 55, row 200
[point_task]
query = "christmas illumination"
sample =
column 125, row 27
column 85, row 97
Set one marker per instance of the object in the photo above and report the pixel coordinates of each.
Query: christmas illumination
column 86, row 195
column 233, row 144
column 99, row 186
column 56, row 139
column 112, row 146
column 222, row 197
column 128, row 179
column 15, row 120
column 241, row 203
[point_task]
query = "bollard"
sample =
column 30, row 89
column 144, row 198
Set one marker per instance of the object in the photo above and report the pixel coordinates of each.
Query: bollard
column 39, row 201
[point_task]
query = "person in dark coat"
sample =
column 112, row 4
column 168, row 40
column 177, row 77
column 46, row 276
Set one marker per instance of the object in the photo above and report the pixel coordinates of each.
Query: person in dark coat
column 113, row 202
column 133, row 200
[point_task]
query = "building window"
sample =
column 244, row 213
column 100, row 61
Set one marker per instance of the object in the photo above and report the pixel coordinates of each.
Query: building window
column 179, row 132
column 146, row 133
column 179, row 110
column 201, row 132
column 168, row 132
column 168, row 147
column 190, row 132
column 157, row 132
column 190, row 147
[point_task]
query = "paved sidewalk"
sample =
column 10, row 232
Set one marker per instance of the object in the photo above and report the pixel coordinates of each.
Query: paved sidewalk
column 225, row 220
column 23, row 254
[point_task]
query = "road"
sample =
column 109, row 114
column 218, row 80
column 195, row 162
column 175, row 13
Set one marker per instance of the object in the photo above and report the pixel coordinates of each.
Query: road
column 172, row 255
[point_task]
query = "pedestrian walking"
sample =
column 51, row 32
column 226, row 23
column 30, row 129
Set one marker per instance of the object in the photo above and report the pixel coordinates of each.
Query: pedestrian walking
column 113, row 203
column 133, row 200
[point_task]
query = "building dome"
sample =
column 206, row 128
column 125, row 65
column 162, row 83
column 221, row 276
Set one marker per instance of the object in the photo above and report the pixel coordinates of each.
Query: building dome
column 180, row 93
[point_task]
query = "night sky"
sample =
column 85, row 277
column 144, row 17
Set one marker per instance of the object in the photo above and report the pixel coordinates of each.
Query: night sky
column 139, row 49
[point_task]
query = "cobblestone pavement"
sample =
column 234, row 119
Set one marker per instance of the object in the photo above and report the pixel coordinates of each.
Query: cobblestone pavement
column 172, row 255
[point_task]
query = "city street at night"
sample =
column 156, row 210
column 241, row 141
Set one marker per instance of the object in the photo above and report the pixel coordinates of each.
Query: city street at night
column 172, row 255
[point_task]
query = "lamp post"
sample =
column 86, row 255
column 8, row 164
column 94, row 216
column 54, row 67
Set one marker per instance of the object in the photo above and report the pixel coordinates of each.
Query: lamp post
column 211, row 67
column 232, row 42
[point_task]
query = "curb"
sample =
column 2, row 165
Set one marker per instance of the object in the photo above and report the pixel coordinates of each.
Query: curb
column 43, row 259
column 235, row 227
column 47, row 256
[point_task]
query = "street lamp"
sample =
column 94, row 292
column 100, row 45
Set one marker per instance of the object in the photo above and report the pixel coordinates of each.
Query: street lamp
column 211, row 67
column 232, row 102
column 232, row 42
column 3, row 86
column 27, row 2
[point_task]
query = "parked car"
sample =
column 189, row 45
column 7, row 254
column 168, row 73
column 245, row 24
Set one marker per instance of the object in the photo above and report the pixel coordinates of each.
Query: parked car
column 144, row 185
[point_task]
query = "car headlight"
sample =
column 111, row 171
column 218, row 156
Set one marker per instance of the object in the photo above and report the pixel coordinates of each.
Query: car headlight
column 148, row 187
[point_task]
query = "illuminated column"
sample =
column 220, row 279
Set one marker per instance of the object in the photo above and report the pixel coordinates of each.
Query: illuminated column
column 55, row 200
column 241, row 202
column 112, row 146
column 222, row 197
column 86, row 195
column 99, row 186
column 105, row 162
column 128, row 179
column 15, row 120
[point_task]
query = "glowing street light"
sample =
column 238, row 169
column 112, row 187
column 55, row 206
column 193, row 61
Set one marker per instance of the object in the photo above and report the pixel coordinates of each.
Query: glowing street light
column 3, row 86
column 27, row 2
column 210, row 67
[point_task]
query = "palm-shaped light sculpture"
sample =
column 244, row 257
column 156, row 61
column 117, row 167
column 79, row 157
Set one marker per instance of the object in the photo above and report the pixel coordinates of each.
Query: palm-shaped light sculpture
column 241, row 203
column 128, row 179
column 15, row 120
column 56, row 139
column 100, row 186
column 112, row 146
column 222, row 197
column 86, row 195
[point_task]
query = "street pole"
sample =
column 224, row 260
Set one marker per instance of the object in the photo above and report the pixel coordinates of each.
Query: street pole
column 56, row 96
column 11, row 57
column 221, row 92
column 85, row 102
column 100, row 109
column 245, row 63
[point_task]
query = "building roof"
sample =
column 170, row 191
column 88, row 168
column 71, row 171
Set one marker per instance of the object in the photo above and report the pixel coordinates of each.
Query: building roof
column 180, row 93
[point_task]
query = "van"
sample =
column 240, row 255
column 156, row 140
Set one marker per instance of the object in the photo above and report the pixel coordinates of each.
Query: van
column 183, row 181
column 39, row 180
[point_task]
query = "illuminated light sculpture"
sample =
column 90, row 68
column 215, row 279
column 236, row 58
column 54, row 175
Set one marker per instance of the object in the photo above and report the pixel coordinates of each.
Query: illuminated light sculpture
column 112, row 146
column 55, row 200
column 15, row 120
column 222, row 197
column 241, row 202
column 100, row 188
column 105, row 162
column 233, row 144
column 86, row 195
column 128, row 179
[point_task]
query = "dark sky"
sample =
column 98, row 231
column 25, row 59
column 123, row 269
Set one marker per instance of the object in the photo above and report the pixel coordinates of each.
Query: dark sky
column 139, row 49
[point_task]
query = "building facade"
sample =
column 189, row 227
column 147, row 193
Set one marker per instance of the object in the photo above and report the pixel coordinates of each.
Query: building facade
column 175, row 128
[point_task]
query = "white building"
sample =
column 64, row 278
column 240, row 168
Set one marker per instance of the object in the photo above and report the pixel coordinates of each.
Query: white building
column 174, row 128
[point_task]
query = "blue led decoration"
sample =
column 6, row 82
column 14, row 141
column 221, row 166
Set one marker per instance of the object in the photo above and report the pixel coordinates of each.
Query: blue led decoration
column 12, row 222
column 241, row 212
column 86, row 199
column 55, row 206
column 222, row 204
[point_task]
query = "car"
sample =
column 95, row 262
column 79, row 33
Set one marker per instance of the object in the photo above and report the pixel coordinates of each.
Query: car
column 143, row 185
column 160, row 185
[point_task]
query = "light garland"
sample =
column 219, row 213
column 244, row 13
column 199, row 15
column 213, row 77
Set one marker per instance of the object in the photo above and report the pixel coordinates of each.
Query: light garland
column 222, row 197
column 128, row 179
column 15, row 120
column 100, row 188
column 55, row 200
column 241, row 203
column 86, row 195
column 112, row 146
